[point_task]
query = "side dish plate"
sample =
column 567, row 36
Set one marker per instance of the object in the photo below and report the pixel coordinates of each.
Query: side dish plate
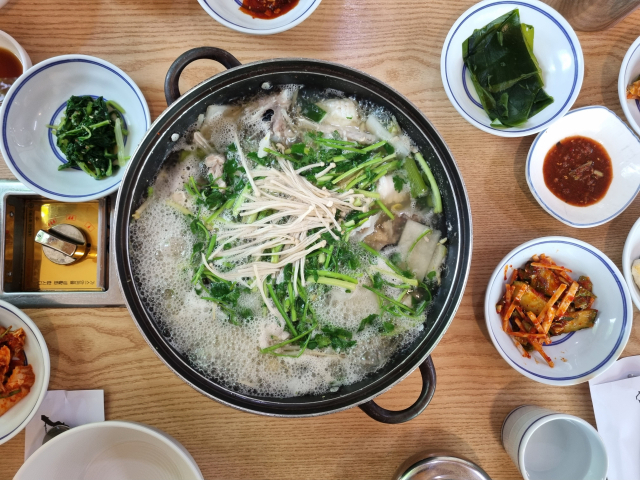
column 555, row 46
column 629, row 72
column 37, row 353
column 39, row 98
column 630, row 253
column 578, row 356
column 227, row 13
column 604, row 126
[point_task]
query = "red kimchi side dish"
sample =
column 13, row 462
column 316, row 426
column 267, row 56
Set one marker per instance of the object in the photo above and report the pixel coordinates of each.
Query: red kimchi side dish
column 16, row 378
column 542, row 300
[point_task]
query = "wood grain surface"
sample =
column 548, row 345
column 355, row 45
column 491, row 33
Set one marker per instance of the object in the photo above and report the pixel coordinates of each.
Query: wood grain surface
column 399, row 43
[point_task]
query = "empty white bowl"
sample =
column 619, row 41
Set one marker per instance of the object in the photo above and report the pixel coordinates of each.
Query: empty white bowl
column 623, row 147
column 629, row 72
column 227, row 12
column 578, row 356
column 39, row 98
column 111, row 450
column 37, row 354
column 630, row 253
column 555, row 46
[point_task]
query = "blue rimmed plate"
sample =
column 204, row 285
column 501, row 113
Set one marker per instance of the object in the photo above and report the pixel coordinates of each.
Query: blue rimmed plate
column 227, row 12
column 602, row 125
column 38, row 98
column 37, row 355
column 629, row 73
column 555, row 45
column 578, row 356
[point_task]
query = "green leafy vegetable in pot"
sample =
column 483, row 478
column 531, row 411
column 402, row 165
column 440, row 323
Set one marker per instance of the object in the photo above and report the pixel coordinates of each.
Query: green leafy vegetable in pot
column 91, row 136
column 505, row 72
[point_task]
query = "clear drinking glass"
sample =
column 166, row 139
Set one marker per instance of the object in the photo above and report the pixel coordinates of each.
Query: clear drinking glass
column 593, row 15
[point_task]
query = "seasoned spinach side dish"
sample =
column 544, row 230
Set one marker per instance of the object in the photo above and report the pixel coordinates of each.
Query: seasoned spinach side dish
column 292, row 242
column 505, row 72
column 91, row 136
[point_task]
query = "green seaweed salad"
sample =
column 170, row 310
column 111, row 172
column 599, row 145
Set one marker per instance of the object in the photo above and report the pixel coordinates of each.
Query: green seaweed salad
column 91, row 136
column 505, row 72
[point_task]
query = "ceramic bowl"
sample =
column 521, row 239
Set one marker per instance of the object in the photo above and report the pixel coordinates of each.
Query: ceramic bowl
column 227, row 12
column 555, row 46
column 39, row 98
column 8, row 42
column 623, row 147
column 111, row 450
column 629, row 72
column 578, row 356
column 630, row 253
column 35, row 349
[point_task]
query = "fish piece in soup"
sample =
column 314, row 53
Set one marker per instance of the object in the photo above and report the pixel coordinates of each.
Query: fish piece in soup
column 416, row 246
column 390, row 196
column 215, row 164
column 340, row 112
column 386, row 232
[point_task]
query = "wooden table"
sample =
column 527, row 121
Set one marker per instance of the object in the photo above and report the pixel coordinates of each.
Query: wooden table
column 102, row 349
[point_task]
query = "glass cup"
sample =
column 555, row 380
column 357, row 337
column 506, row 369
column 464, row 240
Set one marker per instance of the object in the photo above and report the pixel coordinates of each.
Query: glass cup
column 547, row 445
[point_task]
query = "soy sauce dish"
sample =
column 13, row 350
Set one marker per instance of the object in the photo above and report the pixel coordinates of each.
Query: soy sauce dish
column 582, row 170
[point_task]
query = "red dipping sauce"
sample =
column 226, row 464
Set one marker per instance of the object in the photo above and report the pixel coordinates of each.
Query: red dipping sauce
column 267, row 9
column 578, row 171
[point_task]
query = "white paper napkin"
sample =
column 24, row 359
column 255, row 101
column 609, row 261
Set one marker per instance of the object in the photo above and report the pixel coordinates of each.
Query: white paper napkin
column 73, row 407
column 616, row 403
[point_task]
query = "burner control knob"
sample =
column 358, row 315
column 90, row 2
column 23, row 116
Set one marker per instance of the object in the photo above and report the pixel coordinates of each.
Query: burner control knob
column 63, row 244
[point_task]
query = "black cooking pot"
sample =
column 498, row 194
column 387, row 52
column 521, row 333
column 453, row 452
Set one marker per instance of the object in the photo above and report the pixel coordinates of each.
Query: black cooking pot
column 243, row 80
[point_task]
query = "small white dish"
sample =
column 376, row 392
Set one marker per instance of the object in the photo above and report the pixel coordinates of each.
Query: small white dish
column 578, row 356
column 630, row 253
column 111, row 450
column 623, row 147
column 227, row 12
column 39, row 98
column 629, row 72
column 37, row 354
column 545, row 445
column 10, row 43
column 555, row 46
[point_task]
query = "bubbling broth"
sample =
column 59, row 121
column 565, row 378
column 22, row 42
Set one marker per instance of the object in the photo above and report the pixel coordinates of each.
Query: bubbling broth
column 290, row 244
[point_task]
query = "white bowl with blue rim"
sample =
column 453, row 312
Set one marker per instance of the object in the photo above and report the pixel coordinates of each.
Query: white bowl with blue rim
column 38, row 98
column 555, row 46
column 37, row 355
column 630, row 72
column 602, row 125
column 578, row 356
column 631, row 253
column 228, row 13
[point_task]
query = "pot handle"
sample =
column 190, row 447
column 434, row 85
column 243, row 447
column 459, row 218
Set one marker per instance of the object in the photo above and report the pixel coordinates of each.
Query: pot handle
column 383, row 415
column 171, row 88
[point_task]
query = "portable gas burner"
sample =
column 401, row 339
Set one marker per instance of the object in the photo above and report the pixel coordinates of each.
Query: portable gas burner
column 56, row 254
